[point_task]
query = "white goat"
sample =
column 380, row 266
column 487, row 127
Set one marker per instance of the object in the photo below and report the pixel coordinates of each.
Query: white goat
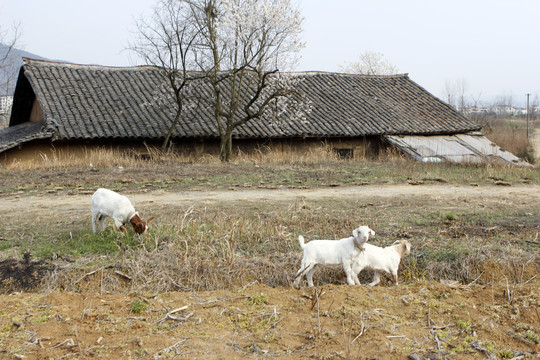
column 118, row 207
column 333, row 252
column 381, row 260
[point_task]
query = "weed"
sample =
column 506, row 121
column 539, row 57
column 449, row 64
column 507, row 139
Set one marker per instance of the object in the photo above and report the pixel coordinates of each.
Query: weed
column 464, row 346
column 41, row 318
column 506, row 354
column 449, row 216
column 258, row 299
column 464, row 325
column 138, row 306
column 531, row 336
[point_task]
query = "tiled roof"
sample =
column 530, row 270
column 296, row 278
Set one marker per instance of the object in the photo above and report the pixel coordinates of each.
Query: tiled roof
column 12, row 136
column 95, row 102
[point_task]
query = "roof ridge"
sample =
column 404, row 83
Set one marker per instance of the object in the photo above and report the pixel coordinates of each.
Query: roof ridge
column 317, row 72
column 29, row 61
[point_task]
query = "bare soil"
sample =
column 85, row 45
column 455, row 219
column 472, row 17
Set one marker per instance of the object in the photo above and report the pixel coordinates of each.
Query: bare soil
column 417, row 319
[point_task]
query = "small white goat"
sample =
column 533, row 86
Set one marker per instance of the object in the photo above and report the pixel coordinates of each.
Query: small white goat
column 118, row 207
column 381, row 260
column 332, row 252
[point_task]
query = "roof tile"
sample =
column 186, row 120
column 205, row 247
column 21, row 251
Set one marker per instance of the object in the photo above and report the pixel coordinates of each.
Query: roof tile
column 89, row 101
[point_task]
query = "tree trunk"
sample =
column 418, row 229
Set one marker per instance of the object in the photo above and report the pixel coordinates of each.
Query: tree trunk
column 225, row 148
column 169, row 133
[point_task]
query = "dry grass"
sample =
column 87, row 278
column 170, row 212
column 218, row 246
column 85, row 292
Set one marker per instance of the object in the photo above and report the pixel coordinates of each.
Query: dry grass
column 267, row 155
column 106, row 157
column 222, row 248
column 511, row 135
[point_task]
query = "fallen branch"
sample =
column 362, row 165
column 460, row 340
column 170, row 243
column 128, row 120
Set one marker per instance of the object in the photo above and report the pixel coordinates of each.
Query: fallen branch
column 78, row 341
column 307, row 336
column 377, row 312
column 255, row 282
column 442, row 327
column 122, row 275
column 92, row 273
column 274, row 324
column 169, row 315
column 478, row 347
column 521, row 339
column 183, row 318
column 66, row 356
column 436, row 338
column 70, row 343
column 169, row 349
column 362, row 330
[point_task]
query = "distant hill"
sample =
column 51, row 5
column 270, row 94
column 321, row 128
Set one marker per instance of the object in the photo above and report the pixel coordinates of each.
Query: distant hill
column 9, row 68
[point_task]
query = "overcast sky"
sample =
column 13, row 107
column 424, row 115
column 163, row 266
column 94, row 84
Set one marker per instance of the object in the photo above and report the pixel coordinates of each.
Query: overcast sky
column 493, row 46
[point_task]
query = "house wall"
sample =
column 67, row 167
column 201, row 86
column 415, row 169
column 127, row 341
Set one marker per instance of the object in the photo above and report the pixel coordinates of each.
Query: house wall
column 44, row 150
column 37, row 113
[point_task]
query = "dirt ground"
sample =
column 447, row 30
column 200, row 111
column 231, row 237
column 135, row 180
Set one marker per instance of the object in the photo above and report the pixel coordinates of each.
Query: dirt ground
column 415, row 320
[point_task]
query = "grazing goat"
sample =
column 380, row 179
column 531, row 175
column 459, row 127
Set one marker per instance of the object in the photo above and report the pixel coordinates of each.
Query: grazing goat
column 118, row 207
column 381, row 260
column 333, row 252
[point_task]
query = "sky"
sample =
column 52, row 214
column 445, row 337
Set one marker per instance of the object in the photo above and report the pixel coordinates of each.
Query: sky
column 492, row 47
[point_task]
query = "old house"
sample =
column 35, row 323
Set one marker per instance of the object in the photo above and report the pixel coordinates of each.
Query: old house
column 73, row 107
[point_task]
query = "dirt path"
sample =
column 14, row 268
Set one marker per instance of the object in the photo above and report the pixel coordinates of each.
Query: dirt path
column 81, row 202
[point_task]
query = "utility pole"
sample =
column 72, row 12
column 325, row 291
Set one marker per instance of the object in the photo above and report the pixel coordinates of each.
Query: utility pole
column 528, row 115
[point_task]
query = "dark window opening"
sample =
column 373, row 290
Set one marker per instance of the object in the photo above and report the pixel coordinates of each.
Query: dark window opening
column 344, row 153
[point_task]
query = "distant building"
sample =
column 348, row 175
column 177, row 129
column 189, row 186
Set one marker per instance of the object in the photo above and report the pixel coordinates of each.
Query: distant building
column 474, row 110
column 5, row 104
column 5, row 110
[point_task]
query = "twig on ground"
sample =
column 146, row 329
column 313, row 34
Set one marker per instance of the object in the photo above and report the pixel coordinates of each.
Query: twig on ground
column 254, row 282
column 66, row 356
column 169, row 349
column 122, row 275
column 274, row 324
column 475, row 280
column 378, row 312
column 362, row 329
column 78, row 340
column 478, row 347
column 436, row 338
column 69, row 341
column 307, row 336
column 442, row 327
column 92, row 273
column 169, row 315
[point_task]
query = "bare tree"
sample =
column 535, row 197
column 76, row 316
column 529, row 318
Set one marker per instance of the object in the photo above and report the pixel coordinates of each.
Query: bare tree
column 462, row 87
column 246, row 44
column 167, row 40
column 370, row 63
column 8, row 70
column 505, row 104
column 456, row 93
column 449, row 91
column 235, row 46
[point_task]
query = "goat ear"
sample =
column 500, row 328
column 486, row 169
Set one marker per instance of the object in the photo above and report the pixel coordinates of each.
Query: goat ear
column 372, row 232
column 149, row 219
column 355, row 233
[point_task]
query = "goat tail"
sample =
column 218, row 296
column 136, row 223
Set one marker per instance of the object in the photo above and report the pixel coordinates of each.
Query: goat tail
column 301, row 241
